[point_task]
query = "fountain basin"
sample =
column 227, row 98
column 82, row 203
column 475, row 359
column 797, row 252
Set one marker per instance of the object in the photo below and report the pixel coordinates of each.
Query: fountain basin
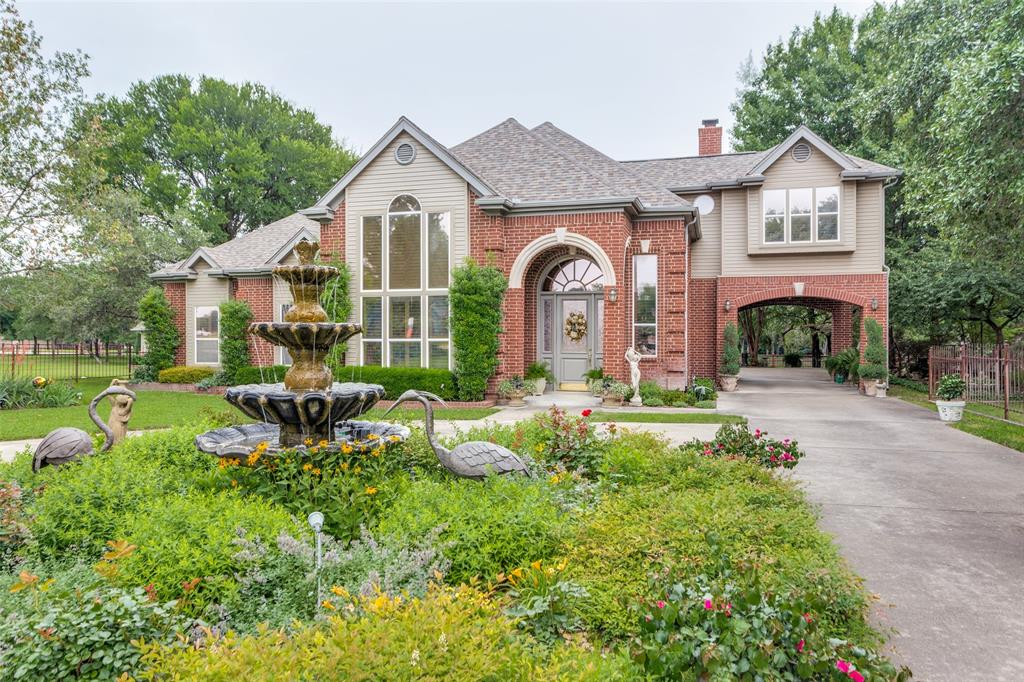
column 239, row 441
column 296, row 336
column 304, row 414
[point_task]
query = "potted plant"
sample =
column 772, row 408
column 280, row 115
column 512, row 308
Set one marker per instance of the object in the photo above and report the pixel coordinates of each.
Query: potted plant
column 514, row 389
column 835, row 365
column 594, row 379
column 729, row 369
column 611, row 392
column 950, row 397
column 873, row 371
column 539, row 374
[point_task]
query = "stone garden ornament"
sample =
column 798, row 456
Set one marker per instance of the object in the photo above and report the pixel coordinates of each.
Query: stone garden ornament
column 120, row 411
column 633, row 358
column 67, row 444
column 475, row 459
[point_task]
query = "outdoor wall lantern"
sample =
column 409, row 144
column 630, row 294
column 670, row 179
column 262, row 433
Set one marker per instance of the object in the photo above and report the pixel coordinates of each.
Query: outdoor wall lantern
column 874, row 304
column 728, row 305
column 613, row 295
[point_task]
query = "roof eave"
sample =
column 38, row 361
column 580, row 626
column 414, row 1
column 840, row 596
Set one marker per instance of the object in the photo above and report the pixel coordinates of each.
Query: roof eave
column 172, row 276
column 805, row 133
column 743, row 181
column 862, row 174
column 321, row 214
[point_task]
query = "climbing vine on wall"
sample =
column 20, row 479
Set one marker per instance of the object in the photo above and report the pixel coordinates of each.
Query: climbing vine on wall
column 476, row 294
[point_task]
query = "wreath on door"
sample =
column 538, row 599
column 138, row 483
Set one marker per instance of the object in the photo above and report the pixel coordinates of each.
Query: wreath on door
column 576, row 326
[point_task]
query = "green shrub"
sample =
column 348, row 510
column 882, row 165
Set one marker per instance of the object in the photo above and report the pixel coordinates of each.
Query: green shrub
column 161, row 334
column 730, row 364
column 235, row 316
column 450, row 634
column 792, row 360
column 395, row 380
column 16, row 393
column 260, row 375
column 629, row 457
column 488, row 527
column 476, row 294
column 951, row 387
column 731, row 627
column 543, row 601
column 24, row 392
column 13, row 523
column 874, row 355
column 738, row 441
column 181, row 538
column 187, row 374
column 79, row 628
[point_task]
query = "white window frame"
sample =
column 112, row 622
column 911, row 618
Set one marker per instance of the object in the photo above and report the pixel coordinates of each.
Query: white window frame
column 785, row 217
column 423, row 292
column 787, row 223
column 438, row 339
column 811, row 223
column 635, row 324
column 195, row 334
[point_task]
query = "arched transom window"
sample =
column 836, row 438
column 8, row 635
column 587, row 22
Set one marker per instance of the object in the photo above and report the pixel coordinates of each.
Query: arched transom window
column 575, row 274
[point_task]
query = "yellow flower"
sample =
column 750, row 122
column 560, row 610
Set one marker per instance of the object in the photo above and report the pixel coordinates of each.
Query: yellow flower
column 370, row 490
column 562, row 564
column 357, row 470
column 307, row 466
column 316, row 470
column 326, row 603
column 222, row 464
column 253, row 458
column 539, row 448
column 394, row 439
column 344, row 466
column 340, row 591
column 234, row 483
column 535, row 565
column 307, row 442
column 322, row 443
column 346, row 448
column 378, row 451
column 373, row 436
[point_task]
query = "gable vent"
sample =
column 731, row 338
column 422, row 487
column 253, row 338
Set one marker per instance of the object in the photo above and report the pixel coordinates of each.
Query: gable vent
column 801, row 152
column 405, row 153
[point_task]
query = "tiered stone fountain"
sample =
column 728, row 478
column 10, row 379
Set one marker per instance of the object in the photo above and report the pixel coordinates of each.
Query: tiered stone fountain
column 309, row 405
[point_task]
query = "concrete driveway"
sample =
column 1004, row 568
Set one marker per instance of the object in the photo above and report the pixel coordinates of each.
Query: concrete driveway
column 931, row 517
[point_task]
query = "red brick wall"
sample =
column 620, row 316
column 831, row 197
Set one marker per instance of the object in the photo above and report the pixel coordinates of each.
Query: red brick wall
column 332, row 236
column 709, row 140
column 844, row 291
column 175, row 293
column 500, row 239
column 258, row 292
column 703, row 326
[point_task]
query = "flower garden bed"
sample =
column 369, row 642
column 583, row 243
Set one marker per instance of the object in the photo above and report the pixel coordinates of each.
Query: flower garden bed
column 622, row 558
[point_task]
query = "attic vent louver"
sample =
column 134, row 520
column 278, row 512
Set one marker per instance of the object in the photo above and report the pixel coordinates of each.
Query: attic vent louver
column 801, row 152
column 405, row 153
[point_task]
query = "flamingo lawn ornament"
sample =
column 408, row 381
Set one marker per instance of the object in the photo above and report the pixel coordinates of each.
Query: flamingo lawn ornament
column 475, row 459
column 67, row 444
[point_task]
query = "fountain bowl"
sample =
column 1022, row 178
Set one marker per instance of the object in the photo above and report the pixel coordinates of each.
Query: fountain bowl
column 239, row 441
column 320, row 336
column 304, row 415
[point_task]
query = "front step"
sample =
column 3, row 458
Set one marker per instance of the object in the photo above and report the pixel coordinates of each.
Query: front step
column 566, row 400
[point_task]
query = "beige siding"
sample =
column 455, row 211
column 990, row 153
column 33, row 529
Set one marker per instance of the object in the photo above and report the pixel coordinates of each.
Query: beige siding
column 706, row 252
column 202, row 291
column 861, row 244
column 437, row 187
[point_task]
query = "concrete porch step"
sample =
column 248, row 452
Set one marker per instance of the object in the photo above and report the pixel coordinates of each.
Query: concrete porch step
column 563, row 399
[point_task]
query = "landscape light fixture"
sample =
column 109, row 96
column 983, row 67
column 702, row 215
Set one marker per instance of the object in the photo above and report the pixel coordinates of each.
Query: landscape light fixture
column 316, row 522
column 728, row 305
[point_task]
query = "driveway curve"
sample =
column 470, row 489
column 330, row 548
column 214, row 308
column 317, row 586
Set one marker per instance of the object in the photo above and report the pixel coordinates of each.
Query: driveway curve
column 930, row 516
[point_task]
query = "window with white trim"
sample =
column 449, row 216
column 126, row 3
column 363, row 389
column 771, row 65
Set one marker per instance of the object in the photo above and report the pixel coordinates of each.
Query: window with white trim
column 645, row 304
column 801, row 215
column 207, row 326
column 404, row 274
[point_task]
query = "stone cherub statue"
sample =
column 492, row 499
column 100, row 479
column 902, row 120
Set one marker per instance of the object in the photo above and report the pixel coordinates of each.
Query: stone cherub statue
column 120, row 411
column 633, row 358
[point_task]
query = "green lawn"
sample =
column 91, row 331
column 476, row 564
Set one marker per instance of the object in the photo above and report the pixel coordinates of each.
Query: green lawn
column 1010, row 435
column 668, row 417
column 159, row 409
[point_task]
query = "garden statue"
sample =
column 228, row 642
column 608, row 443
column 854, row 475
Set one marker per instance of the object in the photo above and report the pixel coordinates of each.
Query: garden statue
column 120, row 411
column 633, row 358
column 475, row 459
column 67, row 444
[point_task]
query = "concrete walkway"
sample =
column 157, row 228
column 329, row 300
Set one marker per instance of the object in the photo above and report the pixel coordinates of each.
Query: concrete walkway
column 931, row 517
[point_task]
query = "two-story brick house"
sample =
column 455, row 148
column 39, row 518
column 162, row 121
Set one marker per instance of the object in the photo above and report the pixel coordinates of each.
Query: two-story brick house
column 659, row 254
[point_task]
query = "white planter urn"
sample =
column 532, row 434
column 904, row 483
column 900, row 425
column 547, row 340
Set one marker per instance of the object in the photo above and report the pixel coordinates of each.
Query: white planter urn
column 539, row 385
column 728, row 382
column 880, row 389
column 870, row 387
column 951, row 410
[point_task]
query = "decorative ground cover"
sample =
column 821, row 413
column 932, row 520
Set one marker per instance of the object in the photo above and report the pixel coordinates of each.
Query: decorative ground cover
column 620, row 558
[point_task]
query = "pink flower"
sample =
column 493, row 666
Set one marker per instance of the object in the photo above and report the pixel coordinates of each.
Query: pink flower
column 856, row 676
column 648, row 617
column 728, row 609
column 773, row 458
column 785, row 441
column 721, row 446
column 843, row 666
column 708, row 605
column 707, row 452
column 757, row 433
column 786, row 456
column 587, row 412
column 771, row 449
column 800, row 646
column 661, row 604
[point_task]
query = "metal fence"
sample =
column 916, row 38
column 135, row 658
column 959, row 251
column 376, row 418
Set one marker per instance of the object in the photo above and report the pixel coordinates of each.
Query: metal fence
column 66, row 361
column 994, row 376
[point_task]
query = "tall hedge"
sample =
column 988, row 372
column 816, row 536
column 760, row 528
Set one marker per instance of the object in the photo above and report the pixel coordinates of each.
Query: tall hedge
column 730, row 350
column 161, row 335
column 874, row 355
column 235, row 317
column 476, row 293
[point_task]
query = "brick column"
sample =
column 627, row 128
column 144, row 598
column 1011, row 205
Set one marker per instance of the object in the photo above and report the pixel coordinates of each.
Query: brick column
column 175, row 293
column 842, row 321
column 332, row 236
column 258, row 292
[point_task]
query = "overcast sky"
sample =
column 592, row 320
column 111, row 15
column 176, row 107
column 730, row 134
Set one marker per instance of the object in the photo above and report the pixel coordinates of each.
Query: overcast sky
column 633, row 80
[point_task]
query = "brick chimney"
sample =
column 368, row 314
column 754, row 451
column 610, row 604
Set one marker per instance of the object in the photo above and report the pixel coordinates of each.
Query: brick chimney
column 709, row 137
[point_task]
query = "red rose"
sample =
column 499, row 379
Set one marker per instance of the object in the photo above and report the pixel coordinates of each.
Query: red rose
column 587, row 413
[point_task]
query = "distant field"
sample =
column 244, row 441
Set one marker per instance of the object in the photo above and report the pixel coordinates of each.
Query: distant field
column 63, row 366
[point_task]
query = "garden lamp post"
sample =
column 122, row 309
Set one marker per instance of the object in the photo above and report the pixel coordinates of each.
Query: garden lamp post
column 316, row 522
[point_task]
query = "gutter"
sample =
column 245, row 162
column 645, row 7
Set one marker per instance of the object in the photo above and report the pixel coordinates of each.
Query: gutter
column 632, row 205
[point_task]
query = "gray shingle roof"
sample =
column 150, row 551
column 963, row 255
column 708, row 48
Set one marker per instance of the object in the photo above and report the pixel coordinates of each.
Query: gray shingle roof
column 252, row 249
column 692, row 171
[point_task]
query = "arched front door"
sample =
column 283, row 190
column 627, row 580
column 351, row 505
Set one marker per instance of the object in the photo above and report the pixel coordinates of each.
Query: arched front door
column 571, row 319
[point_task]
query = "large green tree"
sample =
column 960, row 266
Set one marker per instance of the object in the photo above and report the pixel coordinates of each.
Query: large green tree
column 225, row 157
column 37, row 96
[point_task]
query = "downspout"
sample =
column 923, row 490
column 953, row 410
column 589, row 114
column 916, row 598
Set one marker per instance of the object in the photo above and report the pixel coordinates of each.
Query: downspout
column 629, row 311
column 686, row 301
column 885, row 268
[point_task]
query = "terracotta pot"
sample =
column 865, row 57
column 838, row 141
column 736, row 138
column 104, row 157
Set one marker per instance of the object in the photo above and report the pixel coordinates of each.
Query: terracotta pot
column 728, row 382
